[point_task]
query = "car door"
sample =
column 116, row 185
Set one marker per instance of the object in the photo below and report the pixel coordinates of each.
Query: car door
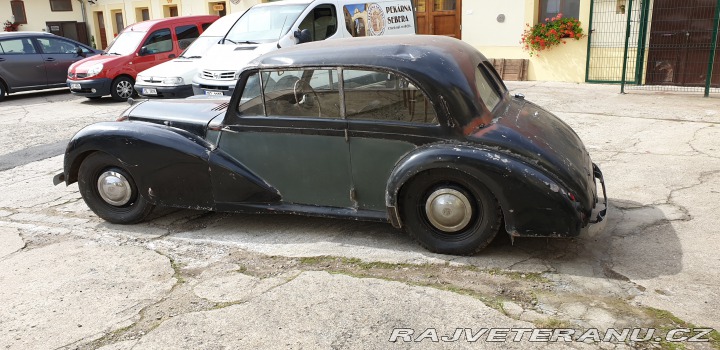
column 289, row 130
column 388, row 116
column 157, row 48
column 21, row 65
column 58, row 55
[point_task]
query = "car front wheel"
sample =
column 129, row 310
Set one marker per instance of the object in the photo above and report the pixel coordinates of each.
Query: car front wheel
column 449, row 212
column 122, row 88
column 110, row 191
column 2, row 91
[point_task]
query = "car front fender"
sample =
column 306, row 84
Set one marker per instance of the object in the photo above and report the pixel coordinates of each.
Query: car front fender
column 169, row 165
column 533, row 204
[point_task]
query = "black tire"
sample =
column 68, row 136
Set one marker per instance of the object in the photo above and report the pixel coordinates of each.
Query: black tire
column 122, row 88
column 3, row 91
column 131, row 211
column 469, row 238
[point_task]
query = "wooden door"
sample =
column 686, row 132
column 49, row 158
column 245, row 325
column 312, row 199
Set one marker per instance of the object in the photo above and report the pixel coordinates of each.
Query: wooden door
column 439, row 17
column 680, row 43
column 101, row 28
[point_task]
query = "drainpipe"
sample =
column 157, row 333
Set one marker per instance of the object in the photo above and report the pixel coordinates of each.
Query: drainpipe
column 85, row 20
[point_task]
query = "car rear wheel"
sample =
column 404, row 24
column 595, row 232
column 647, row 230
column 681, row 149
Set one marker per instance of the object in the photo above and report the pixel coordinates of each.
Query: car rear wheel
column 110, row 191
column 122, row 88
column 449, row 212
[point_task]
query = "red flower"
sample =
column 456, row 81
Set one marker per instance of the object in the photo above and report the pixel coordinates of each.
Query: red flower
column 546, row 35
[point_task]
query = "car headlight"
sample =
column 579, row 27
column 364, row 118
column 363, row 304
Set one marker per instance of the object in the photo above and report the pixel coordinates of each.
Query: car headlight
column 94, row 70
column 173, row 81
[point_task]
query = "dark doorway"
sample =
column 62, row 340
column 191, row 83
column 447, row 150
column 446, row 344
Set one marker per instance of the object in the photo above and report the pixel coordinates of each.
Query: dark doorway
column 680, row 43
column 101, row 29
column 438, row 17
column 69, row 29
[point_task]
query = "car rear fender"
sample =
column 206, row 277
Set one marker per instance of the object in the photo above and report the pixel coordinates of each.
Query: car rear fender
column 532, row 203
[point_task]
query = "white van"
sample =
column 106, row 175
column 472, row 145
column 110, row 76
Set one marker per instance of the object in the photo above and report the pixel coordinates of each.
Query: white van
column 173, row 78
column 269, row 26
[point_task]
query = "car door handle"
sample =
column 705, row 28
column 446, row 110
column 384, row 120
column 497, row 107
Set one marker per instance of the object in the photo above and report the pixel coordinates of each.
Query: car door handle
column 172, row 55
column 49, row 59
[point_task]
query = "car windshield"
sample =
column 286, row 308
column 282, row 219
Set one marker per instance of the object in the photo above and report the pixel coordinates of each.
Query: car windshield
column 125, row 43
column 200, row 46
column 264, row 24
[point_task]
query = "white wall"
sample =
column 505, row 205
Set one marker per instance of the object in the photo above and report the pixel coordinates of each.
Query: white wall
column 480, row 25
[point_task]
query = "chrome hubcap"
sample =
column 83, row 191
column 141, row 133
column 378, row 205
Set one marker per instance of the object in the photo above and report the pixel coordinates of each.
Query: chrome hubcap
column 124, row 89
column 114, row 188
column 448, row 210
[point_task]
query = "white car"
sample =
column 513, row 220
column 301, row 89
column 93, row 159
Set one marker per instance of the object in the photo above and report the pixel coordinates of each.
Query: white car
column 173, row 79
column 269, row 26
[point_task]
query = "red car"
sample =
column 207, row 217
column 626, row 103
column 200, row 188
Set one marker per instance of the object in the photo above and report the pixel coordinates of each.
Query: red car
column 137, row 48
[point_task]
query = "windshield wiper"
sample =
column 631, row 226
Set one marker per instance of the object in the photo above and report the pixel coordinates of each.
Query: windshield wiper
column 241, row 42
column 114, row 53
column 190, row 57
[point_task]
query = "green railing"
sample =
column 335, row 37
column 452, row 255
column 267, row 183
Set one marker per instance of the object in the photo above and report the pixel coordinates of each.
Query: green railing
column 669, row 45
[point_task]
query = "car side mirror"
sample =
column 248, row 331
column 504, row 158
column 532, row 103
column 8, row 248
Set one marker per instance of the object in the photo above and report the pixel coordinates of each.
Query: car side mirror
column 303, row 36
column 143, row 51
column 79, row 51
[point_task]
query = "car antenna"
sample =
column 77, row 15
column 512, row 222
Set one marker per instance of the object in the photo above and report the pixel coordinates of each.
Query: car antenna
column 281, row 33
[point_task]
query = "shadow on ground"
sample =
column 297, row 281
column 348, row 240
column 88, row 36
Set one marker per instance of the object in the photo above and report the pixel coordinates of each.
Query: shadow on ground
column 638, row 240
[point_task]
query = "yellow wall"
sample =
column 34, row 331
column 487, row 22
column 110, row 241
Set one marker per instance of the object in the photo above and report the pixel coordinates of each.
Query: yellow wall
column 502, row 40
column 38, row 12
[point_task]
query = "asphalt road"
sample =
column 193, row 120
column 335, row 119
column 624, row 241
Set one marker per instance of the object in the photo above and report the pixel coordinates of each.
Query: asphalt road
column 193, row 279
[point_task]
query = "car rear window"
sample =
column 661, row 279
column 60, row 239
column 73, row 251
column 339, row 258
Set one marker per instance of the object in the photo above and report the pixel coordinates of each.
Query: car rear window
column 486, row 89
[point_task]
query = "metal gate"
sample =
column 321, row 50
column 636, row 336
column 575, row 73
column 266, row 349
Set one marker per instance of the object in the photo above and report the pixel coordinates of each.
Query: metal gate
column 655, row 44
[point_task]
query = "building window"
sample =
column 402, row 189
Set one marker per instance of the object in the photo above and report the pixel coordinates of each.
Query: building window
column 551, row 8
column 18, row 11
column 142, row 14
column 61, row 5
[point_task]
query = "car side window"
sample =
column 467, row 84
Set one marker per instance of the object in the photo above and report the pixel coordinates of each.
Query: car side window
column 56, row 46
column 321, row 22
column 18, row 46
column 383, row 96
column 159, row 41
column 186, row 35
column 309, row 93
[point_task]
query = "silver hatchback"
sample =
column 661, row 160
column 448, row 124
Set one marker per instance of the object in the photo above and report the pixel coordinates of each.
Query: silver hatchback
column 37, row 60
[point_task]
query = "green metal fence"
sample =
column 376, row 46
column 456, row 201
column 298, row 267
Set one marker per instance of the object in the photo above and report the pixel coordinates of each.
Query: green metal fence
column 669, row 45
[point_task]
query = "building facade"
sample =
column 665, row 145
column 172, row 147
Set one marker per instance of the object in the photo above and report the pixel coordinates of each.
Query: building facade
column 62, row 17
column 656, row 53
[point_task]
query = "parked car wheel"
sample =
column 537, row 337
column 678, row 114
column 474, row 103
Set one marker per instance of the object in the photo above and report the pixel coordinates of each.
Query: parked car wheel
column 122, row 88
column 110, row 191
column 449, row 213
column 3, row 91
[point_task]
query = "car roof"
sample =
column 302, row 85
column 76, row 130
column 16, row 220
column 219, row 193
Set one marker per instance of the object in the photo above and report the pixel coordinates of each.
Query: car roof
column 284, row 2
column 444, row 67
column 25, row 33
column 149, row 24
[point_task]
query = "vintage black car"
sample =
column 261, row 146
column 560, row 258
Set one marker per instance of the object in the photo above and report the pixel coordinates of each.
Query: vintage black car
column 417, row 131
